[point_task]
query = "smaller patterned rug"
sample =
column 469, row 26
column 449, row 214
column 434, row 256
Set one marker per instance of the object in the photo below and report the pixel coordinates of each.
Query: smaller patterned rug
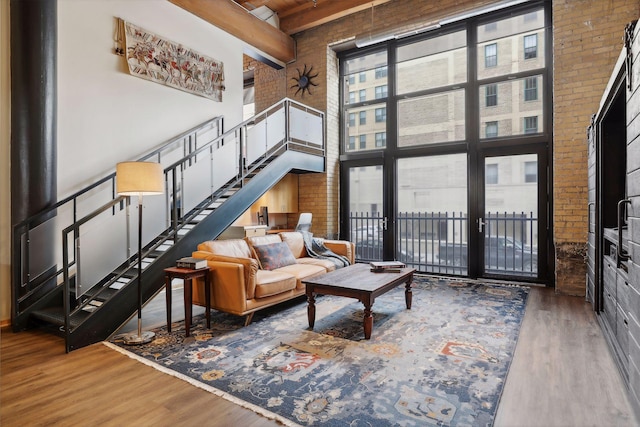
column 442, row 363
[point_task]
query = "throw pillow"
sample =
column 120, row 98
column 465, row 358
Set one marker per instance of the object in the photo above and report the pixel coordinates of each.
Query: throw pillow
column 274, row 255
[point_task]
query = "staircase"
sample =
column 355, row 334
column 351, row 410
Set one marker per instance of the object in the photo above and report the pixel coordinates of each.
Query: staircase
column 83, row 286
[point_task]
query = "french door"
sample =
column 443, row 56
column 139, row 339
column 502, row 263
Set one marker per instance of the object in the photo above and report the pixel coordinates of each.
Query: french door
column 443, row 214
column 511, row 223
column 367, row 212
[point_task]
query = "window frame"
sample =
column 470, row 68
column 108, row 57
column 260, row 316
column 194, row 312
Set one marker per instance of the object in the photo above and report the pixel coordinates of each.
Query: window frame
column 531, row 92
column 493, row 96
column 528, row 130
column 382, row 91
column 490, row 61
column 531, row 49
column 493, row 123
column 491, row 178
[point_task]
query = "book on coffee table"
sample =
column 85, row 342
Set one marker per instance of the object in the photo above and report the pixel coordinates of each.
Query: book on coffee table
column 386, row 266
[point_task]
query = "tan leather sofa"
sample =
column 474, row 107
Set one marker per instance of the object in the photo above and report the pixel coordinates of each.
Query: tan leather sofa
column 241, row 286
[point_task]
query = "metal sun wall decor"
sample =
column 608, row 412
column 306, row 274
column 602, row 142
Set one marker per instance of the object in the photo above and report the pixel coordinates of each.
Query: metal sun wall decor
column 162, row 61
column 304, row 80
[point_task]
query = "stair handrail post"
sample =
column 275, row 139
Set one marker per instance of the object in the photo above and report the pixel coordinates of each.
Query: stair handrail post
column 287, row 121
column 66, row 290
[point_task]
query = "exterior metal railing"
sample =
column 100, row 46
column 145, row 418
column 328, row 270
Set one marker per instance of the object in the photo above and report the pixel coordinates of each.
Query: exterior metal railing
column 437, row 242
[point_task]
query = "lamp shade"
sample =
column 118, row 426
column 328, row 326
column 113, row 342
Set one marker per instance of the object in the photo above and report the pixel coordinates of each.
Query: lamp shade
column 139, row 178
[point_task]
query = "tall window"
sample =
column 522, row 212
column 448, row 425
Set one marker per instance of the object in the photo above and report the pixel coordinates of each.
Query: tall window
column 491, row 129
column 491, row 95
column 491, row 55
column 352, row 143
column 352, row 97
column 531, row 89
column 461, row 101
column 363, row 142
column 531, row 124
column 530, row 171
column 491, row 174
column 355, row 111
column 381, row 73
column 531, row 46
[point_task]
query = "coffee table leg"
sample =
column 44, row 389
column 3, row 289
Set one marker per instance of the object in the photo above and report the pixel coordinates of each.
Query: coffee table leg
column 311, row 309
column 368, row 322
column 408, row 294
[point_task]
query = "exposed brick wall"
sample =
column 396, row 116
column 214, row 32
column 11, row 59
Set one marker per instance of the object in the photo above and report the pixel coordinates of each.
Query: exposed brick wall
column 586, row 47
column 587, row 40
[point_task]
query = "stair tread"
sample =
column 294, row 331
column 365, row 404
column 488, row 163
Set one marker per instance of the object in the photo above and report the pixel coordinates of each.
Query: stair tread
column 55, row 316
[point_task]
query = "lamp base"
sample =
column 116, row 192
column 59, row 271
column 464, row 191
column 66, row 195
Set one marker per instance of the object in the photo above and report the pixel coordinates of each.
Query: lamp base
column 138, row 338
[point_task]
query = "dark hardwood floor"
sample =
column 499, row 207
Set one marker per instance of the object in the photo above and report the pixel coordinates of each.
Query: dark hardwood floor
column 562, row 375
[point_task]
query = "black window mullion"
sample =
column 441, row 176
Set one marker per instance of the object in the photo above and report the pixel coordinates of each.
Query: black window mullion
column 390, row 176
column 472, row 119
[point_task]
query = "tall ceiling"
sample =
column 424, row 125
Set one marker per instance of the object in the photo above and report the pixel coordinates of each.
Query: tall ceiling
column 263, row 38
column 300, row 15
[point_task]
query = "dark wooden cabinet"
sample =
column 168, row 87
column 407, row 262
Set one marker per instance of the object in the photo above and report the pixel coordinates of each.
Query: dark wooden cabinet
column 613, row 253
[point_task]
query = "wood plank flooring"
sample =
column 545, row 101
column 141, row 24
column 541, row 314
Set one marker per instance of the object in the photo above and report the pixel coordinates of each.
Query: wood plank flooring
column 562, row 375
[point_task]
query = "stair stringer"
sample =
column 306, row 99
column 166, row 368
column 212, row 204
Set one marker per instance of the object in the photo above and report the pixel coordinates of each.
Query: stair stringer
column 122, row 306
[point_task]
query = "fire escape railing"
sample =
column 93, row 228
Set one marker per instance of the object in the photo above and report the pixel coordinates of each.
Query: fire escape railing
column 84, row 242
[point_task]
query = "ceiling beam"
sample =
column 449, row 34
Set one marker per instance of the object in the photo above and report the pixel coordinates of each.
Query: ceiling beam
column 235, row 20
column 308, row 16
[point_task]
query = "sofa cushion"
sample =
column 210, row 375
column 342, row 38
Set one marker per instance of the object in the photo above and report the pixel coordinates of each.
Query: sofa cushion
column 302, row 272
column 232, row 248
column 326, row 263
column 273, row 283
column 296, row 243
column 274, row 255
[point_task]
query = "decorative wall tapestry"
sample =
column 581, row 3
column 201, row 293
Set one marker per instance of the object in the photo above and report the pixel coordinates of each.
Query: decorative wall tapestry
column 162, row 61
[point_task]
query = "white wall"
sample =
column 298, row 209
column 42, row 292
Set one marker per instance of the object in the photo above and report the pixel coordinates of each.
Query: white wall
column 106, row 115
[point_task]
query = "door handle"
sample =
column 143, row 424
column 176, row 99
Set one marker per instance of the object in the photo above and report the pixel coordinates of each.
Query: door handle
column 480, row 225
column 384, row 223
column 622, row 255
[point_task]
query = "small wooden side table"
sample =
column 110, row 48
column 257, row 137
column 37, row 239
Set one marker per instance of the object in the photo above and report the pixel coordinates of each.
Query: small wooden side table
column 187, row 275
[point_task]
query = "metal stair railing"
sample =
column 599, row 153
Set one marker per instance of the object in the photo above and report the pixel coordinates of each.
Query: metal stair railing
column 94, row 255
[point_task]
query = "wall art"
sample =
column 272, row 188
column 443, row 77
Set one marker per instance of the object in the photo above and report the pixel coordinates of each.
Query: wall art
column 154, row 58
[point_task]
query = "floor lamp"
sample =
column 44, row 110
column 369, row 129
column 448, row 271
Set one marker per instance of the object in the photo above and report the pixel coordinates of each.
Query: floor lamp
column 138, row 179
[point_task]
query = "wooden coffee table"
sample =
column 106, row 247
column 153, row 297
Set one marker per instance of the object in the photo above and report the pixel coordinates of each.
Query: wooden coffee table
column 357, row 281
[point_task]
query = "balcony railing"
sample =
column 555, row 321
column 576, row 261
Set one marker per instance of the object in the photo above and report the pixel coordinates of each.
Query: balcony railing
column 437, row 242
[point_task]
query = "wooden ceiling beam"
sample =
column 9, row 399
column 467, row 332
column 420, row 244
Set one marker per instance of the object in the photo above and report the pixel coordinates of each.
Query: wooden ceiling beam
column 308, row 16
column 235, row 20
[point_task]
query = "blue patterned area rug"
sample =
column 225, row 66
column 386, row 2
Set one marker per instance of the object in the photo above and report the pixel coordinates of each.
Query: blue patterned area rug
column 444, row 362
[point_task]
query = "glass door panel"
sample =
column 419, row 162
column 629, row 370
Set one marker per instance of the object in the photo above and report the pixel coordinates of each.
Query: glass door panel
column 366, row 220
column 432, row 215
column 510, row 223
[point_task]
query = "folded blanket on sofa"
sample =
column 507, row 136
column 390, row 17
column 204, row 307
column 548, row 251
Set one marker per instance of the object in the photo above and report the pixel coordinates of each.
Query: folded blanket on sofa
column 316, row 249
